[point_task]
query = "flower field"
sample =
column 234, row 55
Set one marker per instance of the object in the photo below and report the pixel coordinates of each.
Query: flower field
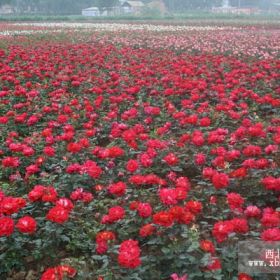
column 137, row 151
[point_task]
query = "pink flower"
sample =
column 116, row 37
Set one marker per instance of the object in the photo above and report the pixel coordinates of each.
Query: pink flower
column 175, row 276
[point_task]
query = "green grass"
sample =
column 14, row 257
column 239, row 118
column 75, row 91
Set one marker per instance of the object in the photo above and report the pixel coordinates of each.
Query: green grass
column 177, row 17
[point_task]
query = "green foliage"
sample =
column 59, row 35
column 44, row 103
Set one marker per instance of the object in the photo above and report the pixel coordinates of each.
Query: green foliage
column 50, row 7
column 3, row 2
column 106, row 3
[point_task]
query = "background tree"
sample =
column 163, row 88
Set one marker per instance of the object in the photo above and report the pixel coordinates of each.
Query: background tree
column 184, row 5
column 3, row 2
column 51, row 7
column 106, row 4
column 74, row 7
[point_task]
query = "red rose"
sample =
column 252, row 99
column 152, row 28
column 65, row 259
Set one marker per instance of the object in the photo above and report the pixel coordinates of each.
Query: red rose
column 87, row 197
column 272, row 234
column 270, row 220
column 27, row 151
column 222, row 229
column 80, row 194
column 168, row 196
column 132, row 165
column 186, row 218
column 74, row 147
column 101, row 247
column 31, row 169
column 137, row 179
column 65, row 203
column 163, row 218
column 177, row 212
column 36, row 193
column 252, row 150
column 49, row 194
column 58, row 214
column 6, row 226
column 207, row 246
column 271, row 183
column 215, row 264
column 58, row 272
column 239, row 172
column 198, row 138
column 194, row 207
column 117, row 189
column 26, row 225
column 147, row 230
column 10, row 162
column 200, row 159
column 240, row 225
column 146, row 160
column 105, row 236
column 115, row 214
column 244, row 276
column 183, row 182
column 205, row 121
column 252, row 211
column 133, row 205
column 116, row 152
column 208, row 172
column 92, row 169
column 220, row 180
column 129, row 254
column 10, row 205
column 181, row 193
column 49, row 151
column 171, row 159
column 144, row 210
column 235, row 201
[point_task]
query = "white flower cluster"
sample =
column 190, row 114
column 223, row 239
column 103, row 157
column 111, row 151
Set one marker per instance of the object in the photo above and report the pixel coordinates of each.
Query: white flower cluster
column 25, row 32
column 123, row 26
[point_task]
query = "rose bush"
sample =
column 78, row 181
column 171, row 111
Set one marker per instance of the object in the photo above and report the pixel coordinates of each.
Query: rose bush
column 122, row 162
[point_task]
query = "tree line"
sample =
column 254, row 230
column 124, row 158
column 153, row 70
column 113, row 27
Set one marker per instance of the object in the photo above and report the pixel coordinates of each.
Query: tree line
column 68, row 7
